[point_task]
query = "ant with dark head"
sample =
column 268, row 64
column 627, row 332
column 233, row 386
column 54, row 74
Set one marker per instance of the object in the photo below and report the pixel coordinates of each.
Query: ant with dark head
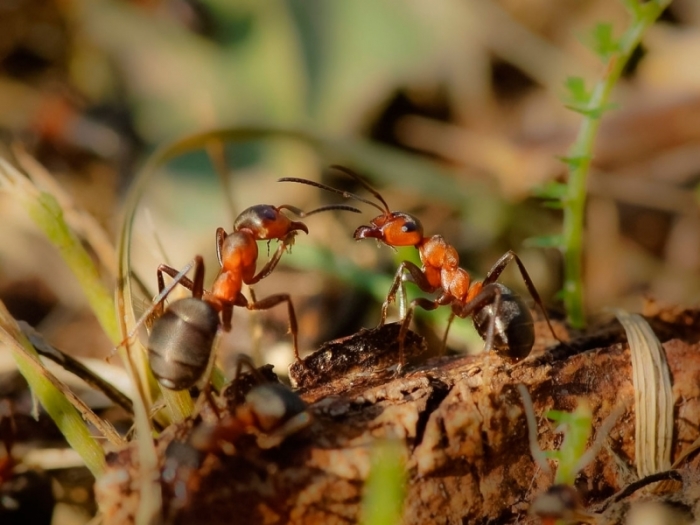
column 500, row 316
column 182, row 335
column 269, row 411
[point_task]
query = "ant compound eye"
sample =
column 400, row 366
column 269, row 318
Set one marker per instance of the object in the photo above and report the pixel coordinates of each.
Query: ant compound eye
column 409, row 227
column 267, row 213
column 255, row 217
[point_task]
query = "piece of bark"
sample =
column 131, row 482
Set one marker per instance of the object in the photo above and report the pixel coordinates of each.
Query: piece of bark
column 459, row 421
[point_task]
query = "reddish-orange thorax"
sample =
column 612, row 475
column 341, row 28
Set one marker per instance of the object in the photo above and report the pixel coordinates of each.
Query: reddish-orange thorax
column 441, row 267
column 239, row 254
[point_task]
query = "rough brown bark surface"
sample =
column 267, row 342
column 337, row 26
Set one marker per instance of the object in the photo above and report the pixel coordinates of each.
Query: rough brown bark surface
column 459, row 420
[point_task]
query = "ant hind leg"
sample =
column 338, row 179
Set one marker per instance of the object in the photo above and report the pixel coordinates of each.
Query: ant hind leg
column 496, row 270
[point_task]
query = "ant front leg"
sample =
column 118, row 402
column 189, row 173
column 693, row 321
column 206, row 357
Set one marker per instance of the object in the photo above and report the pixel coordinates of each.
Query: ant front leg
column 425, row 304
column 397, row 286
column 266, row 270
column 271, row 302
column 496, row 270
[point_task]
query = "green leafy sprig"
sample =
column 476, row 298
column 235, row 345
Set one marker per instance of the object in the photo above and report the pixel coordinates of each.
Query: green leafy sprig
column 591, row 104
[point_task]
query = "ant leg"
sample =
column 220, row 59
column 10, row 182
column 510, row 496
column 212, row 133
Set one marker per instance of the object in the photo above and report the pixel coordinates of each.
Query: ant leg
column 195, row 285
column 425, row 304
column 443, row 348
column 498, row 268
column 226, row 315
column 205, row 396
column 418, row 277
column 490, row 294
column 272, row 263
column 245, row 360
column 274, row 300
column 179, row 278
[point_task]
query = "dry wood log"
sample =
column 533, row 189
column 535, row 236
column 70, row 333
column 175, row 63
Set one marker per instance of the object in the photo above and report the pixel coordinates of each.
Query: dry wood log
column 461, row 425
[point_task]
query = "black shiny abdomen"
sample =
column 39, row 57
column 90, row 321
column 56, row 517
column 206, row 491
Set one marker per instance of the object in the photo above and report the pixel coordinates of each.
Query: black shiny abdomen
column 181, row 341
column 514, row 331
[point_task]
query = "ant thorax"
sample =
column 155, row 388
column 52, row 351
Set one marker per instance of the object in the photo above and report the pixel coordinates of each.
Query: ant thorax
column 239, row 254
column 239, row 250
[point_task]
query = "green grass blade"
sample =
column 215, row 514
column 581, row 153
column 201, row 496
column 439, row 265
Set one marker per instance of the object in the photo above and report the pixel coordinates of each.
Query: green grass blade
column 384, row 493
column 50, row 393
column 48, row 216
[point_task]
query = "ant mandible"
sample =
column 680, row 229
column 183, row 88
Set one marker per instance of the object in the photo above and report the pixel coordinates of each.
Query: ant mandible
column 500, row 316
column 182, row 336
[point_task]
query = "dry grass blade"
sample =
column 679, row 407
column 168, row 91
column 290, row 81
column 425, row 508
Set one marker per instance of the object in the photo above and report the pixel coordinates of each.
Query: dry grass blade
column 653, row 396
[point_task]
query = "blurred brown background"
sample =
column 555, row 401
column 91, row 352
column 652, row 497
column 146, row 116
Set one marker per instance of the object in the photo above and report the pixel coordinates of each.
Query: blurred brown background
column 92, row 88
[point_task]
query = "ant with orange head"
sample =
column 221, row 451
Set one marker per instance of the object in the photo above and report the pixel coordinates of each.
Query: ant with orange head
column 500, row 316
column 182, row 335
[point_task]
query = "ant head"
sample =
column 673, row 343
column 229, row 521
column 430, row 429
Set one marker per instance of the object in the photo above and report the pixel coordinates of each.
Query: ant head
column 560, row 502
column 273, row 404
column 267, row 222
column 393, row 229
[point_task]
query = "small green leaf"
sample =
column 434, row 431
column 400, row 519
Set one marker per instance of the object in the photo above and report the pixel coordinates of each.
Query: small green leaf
column 578, row 95
column 545, row 241
column 551, row 190
column 633, row 6
column 603, row 44
column 649, row 11
column 574, row 162
column 592, row 113
column 555, row 205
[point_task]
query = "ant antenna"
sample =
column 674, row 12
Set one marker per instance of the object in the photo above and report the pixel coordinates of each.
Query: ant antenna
column 364, row 183
column 300, row 213
column 348, row 195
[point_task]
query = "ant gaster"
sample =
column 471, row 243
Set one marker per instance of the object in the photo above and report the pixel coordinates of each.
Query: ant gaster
column 182, row 336
column 500, row 316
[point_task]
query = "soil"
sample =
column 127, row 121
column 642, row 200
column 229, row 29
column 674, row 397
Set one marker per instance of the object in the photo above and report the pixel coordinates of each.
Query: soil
column 459, row 422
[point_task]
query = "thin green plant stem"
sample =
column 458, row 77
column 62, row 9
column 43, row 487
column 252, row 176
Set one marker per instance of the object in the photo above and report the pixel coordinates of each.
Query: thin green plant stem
column 51, row 394
column 580, row 154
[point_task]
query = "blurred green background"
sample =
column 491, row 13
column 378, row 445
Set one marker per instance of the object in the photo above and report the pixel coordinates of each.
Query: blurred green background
column 452, row 109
